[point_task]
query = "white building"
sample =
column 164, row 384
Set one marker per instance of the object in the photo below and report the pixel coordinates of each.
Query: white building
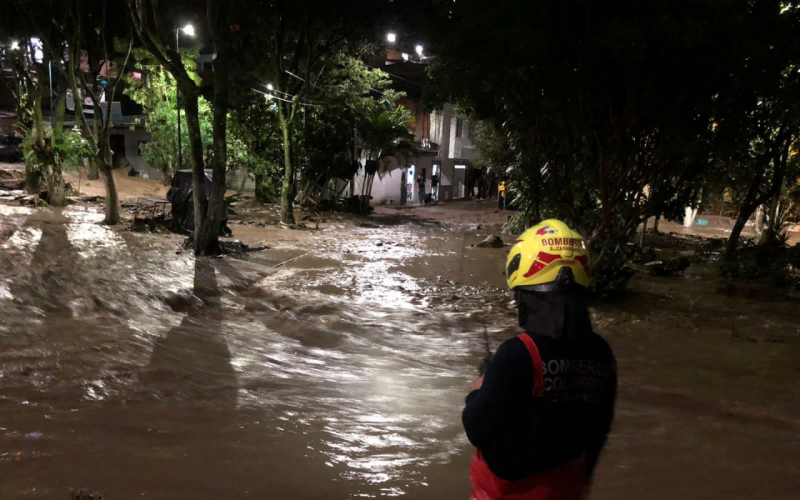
column 443, row 144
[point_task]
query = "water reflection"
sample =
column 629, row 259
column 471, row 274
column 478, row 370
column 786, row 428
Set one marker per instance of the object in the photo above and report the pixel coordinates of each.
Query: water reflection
column 192, row 361
column 138, row 372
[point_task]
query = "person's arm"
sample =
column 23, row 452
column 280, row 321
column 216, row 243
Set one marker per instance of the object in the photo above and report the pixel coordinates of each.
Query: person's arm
column 508, row 381
column 606, row 417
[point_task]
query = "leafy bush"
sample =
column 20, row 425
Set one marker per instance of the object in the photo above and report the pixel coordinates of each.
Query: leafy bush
column 157, row 92
column 516, row 224
column 60, row 151
column 775, row 263
column 609, row 256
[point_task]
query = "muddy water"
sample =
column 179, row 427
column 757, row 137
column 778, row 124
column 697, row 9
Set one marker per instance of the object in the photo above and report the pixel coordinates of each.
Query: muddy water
column 138, row 372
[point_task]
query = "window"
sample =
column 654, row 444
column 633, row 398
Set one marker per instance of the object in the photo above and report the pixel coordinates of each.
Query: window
column 459, row 127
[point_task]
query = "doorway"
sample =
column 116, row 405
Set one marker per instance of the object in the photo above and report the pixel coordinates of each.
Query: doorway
column 117, row 144
column 459, row 181
column 435, row 181
column 411, row 179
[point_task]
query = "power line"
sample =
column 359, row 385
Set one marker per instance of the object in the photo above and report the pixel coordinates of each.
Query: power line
column 396, row 76
column 286, row 100
column 372, row 89
column 293, row 95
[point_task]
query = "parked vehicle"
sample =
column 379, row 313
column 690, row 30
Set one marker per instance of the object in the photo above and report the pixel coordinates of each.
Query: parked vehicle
column 10, row 151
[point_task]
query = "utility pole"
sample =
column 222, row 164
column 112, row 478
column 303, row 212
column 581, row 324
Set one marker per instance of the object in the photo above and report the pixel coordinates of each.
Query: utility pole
column 189, row 30
column 52, row 113
column 178, row 99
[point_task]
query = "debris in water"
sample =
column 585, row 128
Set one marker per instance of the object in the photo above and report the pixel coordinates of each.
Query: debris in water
column 83, row 494
column 492, row 241
column 668, row 267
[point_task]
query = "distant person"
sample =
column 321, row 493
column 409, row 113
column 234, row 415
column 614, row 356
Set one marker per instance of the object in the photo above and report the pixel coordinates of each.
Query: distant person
column 501, row 195
column 541, row 415
column 435, row 187
column 421, row 186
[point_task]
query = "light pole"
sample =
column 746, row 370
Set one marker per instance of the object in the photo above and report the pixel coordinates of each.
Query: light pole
column 189, row 30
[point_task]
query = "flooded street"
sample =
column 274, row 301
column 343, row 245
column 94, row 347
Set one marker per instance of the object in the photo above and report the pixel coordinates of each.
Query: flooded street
column 334, row 365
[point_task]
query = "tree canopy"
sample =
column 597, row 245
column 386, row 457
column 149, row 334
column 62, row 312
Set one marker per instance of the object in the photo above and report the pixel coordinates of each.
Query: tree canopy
column 609, row 106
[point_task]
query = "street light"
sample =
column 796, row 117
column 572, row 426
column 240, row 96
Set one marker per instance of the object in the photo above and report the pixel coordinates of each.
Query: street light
column 391, row 37
column 270, row 87
column 14, row 45
column 188, row 30
column 418, row 48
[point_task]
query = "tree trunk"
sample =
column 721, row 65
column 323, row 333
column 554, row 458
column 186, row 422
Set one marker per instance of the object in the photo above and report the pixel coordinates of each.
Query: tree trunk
column 54, row 174
column 749, row 204
column 369, row 193
column 200, row 235
column 644, row 232
column 112, row 197
column 33, row 175
column 689, row 216
column 219, row 162
column 33, row 180
column 404, row 187
column 655, row 224
column 364, row 200
column 262, row 194
column 770, row 233
column 736, row 232
column 758, row 226
column 92, row 171
column 166, row 174
column 287, row 191
column 55, row 187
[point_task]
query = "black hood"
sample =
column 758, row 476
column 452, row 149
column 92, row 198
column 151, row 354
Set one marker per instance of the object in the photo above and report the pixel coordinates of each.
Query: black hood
column 561, row 315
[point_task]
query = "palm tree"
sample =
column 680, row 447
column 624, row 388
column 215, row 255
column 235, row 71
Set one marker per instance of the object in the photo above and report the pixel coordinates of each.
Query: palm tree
column 385, row 132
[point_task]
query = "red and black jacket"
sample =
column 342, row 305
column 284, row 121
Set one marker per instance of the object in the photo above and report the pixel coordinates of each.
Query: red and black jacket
column 548, row 396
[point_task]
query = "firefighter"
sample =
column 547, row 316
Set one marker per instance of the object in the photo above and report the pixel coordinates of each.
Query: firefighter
column 501, row 195
column 540, row 417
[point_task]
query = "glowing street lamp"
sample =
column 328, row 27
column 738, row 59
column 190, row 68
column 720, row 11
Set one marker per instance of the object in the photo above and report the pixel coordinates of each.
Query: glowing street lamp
column 391, row 37
column 418, row 48
column 270, row 87
column 188, row 30
column 14, row 45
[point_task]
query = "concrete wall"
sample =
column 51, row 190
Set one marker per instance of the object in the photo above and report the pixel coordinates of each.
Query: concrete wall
column 446, row 183
column 132, row 153
column 240, row 180
column 387, row 187
column 460, row 147
column 452, row 183
column 441, row 129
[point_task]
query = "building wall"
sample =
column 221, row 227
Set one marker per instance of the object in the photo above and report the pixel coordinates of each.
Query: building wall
column 440, row 125
column 132, row 153
column 240, row 180
column 387, row 188
column 460, row 147
column 7, row 122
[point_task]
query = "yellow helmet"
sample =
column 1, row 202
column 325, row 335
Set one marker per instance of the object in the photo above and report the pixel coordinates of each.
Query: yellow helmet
column 548, row 257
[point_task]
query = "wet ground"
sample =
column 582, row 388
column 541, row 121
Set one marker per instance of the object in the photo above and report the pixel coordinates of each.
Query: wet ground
column 334, row 365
